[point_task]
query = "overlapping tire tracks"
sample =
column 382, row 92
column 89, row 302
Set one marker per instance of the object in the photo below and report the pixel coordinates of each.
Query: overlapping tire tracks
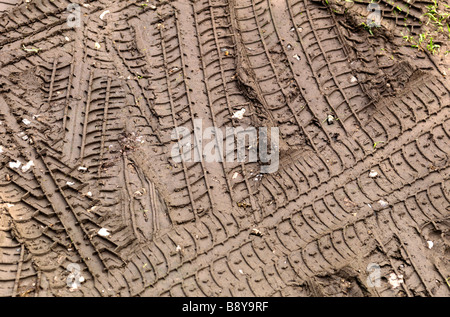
column 102, row 100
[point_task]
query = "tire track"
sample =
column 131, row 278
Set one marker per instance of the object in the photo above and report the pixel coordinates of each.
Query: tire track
column 101, row 107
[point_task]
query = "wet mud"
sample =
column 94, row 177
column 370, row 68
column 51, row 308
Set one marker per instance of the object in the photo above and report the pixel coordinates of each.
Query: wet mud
column 93, row 203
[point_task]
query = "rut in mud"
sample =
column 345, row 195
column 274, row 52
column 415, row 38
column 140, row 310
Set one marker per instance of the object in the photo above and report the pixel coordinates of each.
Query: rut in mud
column 89, row 99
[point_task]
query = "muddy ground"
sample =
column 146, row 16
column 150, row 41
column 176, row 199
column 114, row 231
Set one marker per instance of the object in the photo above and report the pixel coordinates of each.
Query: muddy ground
column 93, row 204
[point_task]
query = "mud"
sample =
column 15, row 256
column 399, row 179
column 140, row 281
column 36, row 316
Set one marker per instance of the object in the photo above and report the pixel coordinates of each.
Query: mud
column 103, row 209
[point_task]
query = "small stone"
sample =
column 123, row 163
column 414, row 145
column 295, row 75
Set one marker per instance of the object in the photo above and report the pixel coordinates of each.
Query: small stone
column 373, row 174
column 430, row 244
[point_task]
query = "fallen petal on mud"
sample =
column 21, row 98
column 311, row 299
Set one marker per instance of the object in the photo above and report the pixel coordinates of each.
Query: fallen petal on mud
column 256, row 232
column 103, row 232
column 373, row 174
column 383, row 203
column 15, row 164
column 395, row 280
column 239, row 114
column 27, row 166
column 103, row 14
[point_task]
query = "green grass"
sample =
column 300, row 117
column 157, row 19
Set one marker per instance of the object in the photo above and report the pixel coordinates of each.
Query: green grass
column 435, row 16
column 367, row 27
column 432, row 47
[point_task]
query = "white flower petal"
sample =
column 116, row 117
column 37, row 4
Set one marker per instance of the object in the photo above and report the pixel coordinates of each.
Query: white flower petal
column 103, row 232
column 15, row 164
column 103, row 14
column 27, row 166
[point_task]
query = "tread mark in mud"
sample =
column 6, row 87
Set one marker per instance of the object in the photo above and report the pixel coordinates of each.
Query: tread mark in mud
column 322, row 217
column 196, row 210
column 228, row 87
